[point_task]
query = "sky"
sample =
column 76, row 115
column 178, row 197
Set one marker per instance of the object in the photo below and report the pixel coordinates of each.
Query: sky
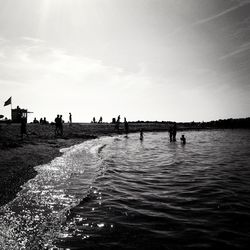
column 172, row 60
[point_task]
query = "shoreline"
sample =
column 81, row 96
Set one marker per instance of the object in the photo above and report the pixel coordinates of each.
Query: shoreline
column 18, row 157
column 17, row 164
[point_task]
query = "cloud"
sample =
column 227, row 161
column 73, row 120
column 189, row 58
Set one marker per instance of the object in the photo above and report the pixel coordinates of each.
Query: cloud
column 243, row 48
column 222, row 13
column 36, row 73
column 33, row 60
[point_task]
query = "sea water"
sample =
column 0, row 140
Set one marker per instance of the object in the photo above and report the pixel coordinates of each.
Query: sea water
column 124, row 193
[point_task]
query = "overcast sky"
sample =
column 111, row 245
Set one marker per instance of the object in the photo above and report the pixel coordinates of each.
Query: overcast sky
column 179, row 60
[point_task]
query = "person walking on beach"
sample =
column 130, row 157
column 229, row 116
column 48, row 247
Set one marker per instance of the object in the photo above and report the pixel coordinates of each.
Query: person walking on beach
column 126, row 126
column 117, row 125
column 100, row 120
column 70, row 119
column 57, row 125
column 61, row 125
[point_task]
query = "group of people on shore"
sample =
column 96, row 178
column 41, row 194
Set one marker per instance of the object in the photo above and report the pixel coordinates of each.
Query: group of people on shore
column 94, row 120
column 59, row 126
column 117, row 123
column 58, row 122
column 42, row 121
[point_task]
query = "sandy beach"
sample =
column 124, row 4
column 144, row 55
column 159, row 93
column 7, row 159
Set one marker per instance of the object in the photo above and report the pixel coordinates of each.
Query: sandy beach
column 19, row 157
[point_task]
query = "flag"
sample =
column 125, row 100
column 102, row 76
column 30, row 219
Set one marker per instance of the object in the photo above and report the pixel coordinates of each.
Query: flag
column 8, row 102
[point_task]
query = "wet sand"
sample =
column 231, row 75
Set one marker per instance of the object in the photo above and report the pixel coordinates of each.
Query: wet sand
column 19, row 157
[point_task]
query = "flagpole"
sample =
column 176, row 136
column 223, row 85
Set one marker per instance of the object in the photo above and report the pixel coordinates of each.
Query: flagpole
column 11, row 109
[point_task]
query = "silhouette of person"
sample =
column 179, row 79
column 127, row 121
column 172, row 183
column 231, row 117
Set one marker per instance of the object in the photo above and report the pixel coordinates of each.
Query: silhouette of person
column 94, row 120
column 70, row 119
column 141, row 134
column 57, row 124
column 183, row 139
column 35, row 120
column 117, row 125
column 19, row 113
column 170, row 130
column 126, row 127
column 100, row 120
column 61, row 125
column 174, row 131
column 23, row 126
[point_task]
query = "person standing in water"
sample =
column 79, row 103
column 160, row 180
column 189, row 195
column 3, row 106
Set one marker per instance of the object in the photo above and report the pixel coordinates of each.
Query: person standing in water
column 170, row 131
column 174, row 131
column 183, row 139
column 141, row 134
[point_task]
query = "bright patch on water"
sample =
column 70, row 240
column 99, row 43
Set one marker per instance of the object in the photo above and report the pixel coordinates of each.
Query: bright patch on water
column 34, row 218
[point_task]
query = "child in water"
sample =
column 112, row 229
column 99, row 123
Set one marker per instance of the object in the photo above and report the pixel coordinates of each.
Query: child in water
column 141, row 134
column 183, row 139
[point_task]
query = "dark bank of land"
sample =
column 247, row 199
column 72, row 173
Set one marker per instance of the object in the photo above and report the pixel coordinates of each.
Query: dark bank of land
column 217, row 124
column 19, row 157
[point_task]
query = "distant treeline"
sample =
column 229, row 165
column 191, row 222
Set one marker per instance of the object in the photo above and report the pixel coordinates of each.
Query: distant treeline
column 222, row 123
column 228, row 123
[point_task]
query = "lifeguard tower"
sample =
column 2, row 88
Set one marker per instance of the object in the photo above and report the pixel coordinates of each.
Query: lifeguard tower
column 18, row 113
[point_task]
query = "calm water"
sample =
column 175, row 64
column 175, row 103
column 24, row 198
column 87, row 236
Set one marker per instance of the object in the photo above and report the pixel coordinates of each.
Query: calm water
column 121, row 193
